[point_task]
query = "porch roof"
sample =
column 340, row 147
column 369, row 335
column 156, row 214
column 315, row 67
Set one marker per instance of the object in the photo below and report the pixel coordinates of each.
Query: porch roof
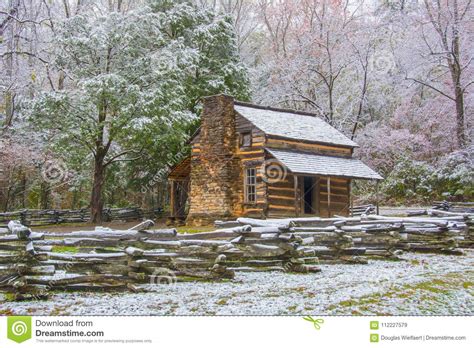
column 181, row 170
column 312, row 164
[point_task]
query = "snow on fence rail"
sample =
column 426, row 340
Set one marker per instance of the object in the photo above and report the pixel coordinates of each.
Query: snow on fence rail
column 33, row 217
column 455, row 208
column 32, row 264
column 439, row 231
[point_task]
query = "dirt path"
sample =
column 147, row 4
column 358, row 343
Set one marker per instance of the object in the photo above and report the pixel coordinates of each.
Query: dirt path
column 399, row 211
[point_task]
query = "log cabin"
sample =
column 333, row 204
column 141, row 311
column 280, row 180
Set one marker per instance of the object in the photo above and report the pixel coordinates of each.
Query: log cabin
column 257, row 161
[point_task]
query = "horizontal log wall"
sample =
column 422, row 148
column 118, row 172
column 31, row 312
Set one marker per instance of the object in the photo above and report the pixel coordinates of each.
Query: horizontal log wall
column 288, row 144
column 281, row 197
column 251, row 157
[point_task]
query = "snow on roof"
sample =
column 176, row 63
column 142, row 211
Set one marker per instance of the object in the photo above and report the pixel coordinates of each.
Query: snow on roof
column 307, row 163
column 293, row 125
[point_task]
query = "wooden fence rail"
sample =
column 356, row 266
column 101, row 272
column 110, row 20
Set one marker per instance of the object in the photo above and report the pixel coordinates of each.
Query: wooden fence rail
column 33, row 217
column 363, row 209
column 32, row 263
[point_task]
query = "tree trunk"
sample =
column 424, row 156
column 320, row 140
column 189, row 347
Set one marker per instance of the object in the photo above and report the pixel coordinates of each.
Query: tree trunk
column 460, row 116
column 7, row 198
column 9, row 95
column 456, row 72
column 24, row 193
column 97, row 203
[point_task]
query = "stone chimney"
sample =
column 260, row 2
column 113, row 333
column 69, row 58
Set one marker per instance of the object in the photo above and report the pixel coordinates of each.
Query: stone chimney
column 215, row 169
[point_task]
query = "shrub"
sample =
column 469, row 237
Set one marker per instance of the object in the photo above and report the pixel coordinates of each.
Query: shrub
column 454, row 176
column 410, row 180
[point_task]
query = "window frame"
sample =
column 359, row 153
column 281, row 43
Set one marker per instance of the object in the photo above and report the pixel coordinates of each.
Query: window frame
column 250, row 185
column 243, row 135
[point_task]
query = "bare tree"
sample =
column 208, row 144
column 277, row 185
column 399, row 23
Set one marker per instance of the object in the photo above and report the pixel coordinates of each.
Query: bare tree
column 446, row 49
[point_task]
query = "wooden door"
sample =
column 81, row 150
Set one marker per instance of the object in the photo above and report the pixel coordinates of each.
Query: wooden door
column 309, row 195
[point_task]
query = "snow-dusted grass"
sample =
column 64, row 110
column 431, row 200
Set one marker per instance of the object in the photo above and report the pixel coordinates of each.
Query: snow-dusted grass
column 421, row 285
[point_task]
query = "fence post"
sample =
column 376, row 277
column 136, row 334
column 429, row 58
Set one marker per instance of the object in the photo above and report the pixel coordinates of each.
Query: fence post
column 377, row 196
column 107, row 215
column 23, row 214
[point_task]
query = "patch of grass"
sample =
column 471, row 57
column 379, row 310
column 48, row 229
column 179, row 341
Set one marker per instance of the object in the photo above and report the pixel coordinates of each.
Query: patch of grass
column 374, row 298
column 347, row 303
column 436, row 285
column 6, row 312
column 108, row 250
column 65, row 249
column 58, row 311
column 292, row 308
column 405, row 294
column 439, row 282
column 430, row 294
column 362, row 302
column 9, row 297
column 415, row 262
column 194, row 229
column 222, row 302
column 192, row 279
column 63, row 224
column 298, row 289
column 272, row 295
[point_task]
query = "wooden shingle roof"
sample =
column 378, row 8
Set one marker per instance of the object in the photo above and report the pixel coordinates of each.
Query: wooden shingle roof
column 293, row 125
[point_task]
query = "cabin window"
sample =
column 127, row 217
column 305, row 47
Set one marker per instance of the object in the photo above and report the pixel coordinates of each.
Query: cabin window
column 250, row 185
column 246, row 139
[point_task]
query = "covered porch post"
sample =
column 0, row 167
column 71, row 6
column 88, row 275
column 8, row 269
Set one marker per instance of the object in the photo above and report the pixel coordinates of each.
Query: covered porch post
column 329, row 195
column 172, row 198
column 377, row 196
column 351, row 199
column 297, row 205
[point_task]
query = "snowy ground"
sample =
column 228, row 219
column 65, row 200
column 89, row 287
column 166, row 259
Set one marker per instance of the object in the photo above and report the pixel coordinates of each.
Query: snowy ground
column 421, row 285
column 400, row 211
